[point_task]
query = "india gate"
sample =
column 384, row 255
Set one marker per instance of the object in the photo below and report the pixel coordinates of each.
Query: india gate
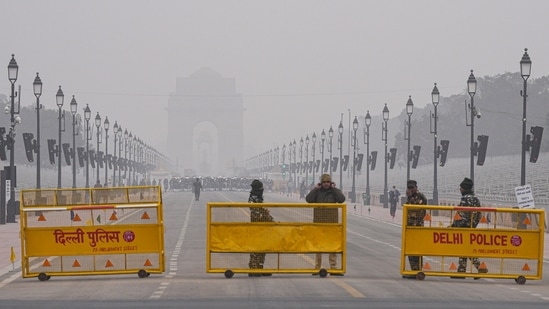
column 205, row 124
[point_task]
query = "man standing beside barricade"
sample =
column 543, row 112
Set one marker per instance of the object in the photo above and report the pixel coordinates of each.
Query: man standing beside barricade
column 258, row 214
column 325, row 192
column 468, row 219
column 414, row 218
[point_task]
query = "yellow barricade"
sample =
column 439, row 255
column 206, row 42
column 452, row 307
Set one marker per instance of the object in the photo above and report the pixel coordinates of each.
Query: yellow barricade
column 266, row 238
column 504, row 242
column 101, row 231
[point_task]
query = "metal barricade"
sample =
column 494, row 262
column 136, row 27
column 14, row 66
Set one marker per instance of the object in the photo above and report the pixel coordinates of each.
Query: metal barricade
column 495, row 243
column 266, row 238
column 96, row 231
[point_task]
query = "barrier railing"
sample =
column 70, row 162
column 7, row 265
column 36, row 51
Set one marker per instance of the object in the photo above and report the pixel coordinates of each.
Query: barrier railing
column 97, row 231
column 261, row 239
column 496, row 242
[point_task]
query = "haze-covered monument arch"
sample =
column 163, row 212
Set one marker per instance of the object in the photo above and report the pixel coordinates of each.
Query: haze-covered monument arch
column 205, row 124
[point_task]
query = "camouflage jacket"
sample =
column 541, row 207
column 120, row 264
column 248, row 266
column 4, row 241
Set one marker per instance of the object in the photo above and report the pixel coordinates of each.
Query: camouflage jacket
column 468, row 218
column 415, row 216
column 259, row 214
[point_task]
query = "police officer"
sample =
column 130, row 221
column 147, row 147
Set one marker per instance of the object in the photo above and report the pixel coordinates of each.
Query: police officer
column 414, row 218
column 258, row 214
column 468, row 219
column 325, row 192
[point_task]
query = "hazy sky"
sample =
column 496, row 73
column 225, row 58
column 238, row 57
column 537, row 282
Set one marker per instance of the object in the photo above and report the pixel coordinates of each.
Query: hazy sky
column 298, row 64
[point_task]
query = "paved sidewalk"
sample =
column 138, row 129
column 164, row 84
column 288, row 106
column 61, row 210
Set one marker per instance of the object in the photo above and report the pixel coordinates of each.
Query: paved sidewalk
column 9, row 237
column 382, row 214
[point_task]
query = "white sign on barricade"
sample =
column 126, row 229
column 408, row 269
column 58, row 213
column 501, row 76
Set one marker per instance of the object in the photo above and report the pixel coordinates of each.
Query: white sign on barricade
column 525, row 197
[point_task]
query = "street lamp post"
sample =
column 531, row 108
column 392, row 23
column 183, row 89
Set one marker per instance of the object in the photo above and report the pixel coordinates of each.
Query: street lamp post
column 331, row 136
column 313, row 148
column 384, row 139
column 295, row 164
column 367, row 123
column 435, row 97
column 301, row 157
column 73, row 106
column 37, row 87
column 409, row 111
column 126, row 156
column 59, row 97
column 355, row 128
column 106, row 127
column 98, row 126
column 472, row 89
column 340, row 147
column 525, row 68
column 120, row 141
column 290, row 159
column 13, row 70
column 322, row 140
column 115, row 133
column 307, row 160
column 87, row 117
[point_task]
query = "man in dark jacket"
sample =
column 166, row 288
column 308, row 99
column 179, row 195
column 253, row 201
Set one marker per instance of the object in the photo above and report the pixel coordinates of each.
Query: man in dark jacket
column 325, row 192
column 468, row 219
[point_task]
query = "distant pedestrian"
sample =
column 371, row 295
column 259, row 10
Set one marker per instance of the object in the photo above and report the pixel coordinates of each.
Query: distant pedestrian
column 197, row 187
column 394, row 196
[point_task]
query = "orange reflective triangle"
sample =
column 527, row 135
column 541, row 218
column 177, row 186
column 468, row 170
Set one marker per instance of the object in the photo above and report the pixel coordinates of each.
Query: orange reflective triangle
column 526, row 221
column 76, row 264
column 457, row 217
column 46, row 263
column 76, row 218
column 427, row 217
column 483, row 219
column 482, row 266
column 145, row 216
column 113, row 216
column 526, row 267
column 109, row 264
column 41, row 218
column 453, row 266
column 148, row 263
column 427, row 266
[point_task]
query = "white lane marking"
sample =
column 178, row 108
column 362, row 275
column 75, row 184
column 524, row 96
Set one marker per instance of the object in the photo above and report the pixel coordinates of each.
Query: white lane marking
column 175, row 254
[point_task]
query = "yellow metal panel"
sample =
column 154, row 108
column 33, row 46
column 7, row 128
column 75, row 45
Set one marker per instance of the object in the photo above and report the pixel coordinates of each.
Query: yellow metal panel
column 276, row 238
column 507, row 243
column 67, row 232
column 286, row 242
column 93, row 240
column 472, row 242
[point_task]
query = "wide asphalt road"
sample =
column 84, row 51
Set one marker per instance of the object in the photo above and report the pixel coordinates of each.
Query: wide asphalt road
column 372, row 279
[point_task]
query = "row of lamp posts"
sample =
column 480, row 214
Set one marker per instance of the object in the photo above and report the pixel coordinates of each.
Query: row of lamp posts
column 525, row 70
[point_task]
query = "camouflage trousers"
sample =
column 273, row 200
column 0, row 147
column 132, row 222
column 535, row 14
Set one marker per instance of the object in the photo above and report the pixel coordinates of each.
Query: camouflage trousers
column 256, row 260
column 463, row 264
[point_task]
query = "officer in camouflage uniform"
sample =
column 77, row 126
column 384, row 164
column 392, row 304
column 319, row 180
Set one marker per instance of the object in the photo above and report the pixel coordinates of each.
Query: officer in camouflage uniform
column 468, row 219
column 258, row 214
column 414, row 218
